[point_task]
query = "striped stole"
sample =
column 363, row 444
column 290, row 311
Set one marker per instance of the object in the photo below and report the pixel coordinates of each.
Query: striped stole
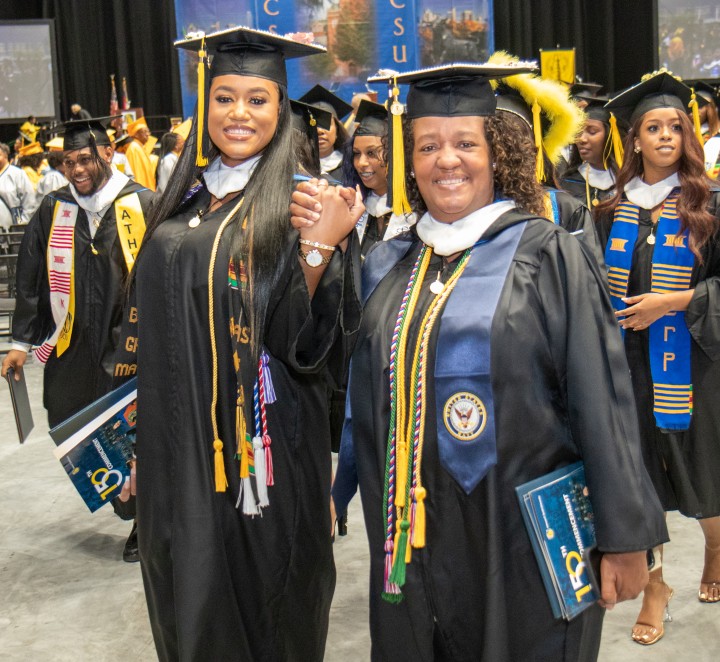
column 669, row 338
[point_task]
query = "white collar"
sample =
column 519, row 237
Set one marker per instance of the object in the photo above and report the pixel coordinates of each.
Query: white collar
column 222, row 180
column 602, row 180
column 103, row 197
column 649, row 196
column 376, row 205
column 450, row 238
column 330, row 162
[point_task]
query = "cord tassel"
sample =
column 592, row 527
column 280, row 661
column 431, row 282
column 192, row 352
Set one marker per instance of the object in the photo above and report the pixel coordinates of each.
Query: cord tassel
column 399, row 569
column 616, row 141
column 200, row 159
column 417, row 532
column 266, row 377
column 268, row 460
column 391, row 592
column 221, row 483
column 260, row 473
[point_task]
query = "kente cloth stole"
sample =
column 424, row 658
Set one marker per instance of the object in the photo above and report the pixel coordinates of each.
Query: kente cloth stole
column 253, row 443
column 61, row 274
column 669, row 338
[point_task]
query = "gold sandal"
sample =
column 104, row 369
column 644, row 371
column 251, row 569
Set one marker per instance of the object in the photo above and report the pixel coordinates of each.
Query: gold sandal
column 646, row 634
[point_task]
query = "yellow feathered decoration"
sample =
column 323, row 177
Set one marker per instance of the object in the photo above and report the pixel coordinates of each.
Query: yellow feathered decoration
column 565, row 118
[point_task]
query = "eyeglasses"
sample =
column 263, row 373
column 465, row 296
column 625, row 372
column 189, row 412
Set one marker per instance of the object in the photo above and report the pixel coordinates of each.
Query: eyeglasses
column 83, row 162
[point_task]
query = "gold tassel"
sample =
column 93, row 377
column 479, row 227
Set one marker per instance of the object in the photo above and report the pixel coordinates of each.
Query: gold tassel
column 400, row 202
column 401, row 460
column 418, row 525
column 221, row 483
column 244, row 457
column 696, row 117
column 240, row 430
column 616, row 141
column 537, row 131
column 200, row 159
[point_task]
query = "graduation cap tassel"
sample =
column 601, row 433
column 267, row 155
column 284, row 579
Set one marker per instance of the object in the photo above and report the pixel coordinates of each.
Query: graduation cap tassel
column 537, row 132
column 616, row 141
column 399, row 203
column 200, row 159
column 696, row 117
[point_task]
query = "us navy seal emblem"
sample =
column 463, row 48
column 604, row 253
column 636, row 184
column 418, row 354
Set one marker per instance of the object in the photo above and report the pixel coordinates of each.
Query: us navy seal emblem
column 465, row 416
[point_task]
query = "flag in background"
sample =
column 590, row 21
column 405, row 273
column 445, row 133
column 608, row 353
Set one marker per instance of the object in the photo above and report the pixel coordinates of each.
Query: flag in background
column 113, row 96
column 125, row 102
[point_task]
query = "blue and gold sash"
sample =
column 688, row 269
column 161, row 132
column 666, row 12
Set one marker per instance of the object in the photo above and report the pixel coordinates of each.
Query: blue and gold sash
column 670, row 341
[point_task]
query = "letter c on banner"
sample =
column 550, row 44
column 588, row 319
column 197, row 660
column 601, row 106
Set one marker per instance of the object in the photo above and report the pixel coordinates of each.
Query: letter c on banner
column 267, row 10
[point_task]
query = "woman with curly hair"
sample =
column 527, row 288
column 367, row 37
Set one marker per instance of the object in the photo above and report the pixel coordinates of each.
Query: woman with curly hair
column 487, row 357
column 663, row 256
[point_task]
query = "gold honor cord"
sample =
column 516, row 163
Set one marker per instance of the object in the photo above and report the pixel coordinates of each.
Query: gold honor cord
column 221, row 483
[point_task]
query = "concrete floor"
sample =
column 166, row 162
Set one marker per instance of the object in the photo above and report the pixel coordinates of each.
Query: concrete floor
column 65, row 593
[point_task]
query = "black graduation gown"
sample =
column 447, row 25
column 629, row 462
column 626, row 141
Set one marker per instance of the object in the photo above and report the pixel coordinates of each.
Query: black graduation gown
column 221, row 585
column 373, row 234
column 562, row 393
column 575, row 217
column 85, row 370
column 682, row 465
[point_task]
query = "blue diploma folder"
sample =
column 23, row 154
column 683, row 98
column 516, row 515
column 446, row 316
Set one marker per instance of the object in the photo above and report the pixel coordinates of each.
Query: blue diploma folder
column 559, row 519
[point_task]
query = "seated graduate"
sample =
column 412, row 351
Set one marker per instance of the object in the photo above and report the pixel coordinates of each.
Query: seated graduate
column 488, row 355
column 332, row 140
column 592, row 170
column 240, row 321
column 662, row 247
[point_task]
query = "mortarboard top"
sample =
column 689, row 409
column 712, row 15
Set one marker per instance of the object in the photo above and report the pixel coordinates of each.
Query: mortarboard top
column 595, row 108
column 133, row 127
column 55, row 145
column 123, row 140
column 660, row 90
column 308, row 118
column 321, row 97
column 585, row 90
column 244, row 51
column 452, row 90
column 84, row 133
column 29, row 150
column 371, row 119
column 183, row 129
column 706, row 92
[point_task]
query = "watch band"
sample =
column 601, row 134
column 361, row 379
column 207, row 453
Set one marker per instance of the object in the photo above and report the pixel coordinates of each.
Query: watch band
column 314, row 258
column 315, row 244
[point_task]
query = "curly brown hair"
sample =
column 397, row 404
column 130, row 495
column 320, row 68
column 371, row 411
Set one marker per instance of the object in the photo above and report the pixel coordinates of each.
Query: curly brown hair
column 694, row 184
column 513, row 155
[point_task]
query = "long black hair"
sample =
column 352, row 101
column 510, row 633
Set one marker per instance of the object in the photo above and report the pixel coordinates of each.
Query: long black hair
column 265, row 204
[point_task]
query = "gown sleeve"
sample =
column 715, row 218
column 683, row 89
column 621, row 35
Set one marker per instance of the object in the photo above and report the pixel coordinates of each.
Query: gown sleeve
column 307, row 333
column 703, row 313
column 32, row 320
column 592, row 367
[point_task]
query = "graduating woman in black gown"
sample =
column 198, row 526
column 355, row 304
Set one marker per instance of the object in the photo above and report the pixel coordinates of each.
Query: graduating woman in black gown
column 519, row 371
column 663, row 258
column 238, row 332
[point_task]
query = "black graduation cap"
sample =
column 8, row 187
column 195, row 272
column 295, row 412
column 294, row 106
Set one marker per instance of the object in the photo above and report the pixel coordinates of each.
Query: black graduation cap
column 123, row 140
column 585, row 90
column 247, row 52
column 452, row 90
column 321, row 97
column 660, row 90
column 706, row 92
column 86, row 133
column 371, row 119
column 308, row 119
column 595, row 107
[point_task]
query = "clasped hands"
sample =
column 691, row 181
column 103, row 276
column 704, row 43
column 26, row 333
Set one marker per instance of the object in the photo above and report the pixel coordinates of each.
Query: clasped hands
column 644, row 309
column 324, row 213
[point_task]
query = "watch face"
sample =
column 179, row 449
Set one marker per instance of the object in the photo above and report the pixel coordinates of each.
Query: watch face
column 314, row 258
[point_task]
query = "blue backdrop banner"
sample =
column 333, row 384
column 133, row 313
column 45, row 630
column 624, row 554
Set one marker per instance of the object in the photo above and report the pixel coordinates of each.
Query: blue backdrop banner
column 361, row 36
